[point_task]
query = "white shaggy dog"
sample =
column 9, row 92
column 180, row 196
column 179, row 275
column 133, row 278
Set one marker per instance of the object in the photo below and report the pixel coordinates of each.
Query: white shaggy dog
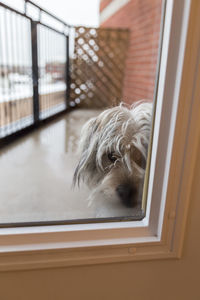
column 113, row 153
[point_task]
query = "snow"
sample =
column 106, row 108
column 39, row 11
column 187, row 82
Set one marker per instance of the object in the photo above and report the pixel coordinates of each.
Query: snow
column 15, row 126
column 16, row 87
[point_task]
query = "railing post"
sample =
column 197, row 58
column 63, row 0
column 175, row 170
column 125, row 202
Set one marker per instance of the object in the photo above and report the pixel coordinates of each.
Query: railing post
column 67, row 72
column 35, row 74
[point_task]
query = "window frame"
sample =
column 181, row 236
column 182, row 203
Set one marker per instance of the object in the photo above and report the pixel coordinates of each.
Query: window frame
column 160, row 234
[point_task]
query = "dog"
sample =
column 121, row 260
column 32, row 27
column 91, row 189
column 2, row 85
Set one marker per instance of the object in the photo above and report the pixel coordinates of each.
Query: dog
column 113, row 153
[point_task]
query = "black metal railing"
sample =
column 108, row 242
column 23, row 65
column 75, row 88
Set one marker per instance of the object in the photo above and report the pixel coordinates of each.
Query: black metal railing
column 39, row 78
column 34, row 68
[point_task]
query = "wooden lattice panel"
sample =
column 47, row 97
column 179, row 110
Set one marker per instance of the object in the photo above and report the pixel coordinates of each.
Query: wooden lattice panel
column 98, row 64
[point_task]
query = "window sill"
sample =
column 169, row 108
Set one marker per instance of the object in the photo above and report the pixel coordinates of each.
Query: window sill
column 160, row 234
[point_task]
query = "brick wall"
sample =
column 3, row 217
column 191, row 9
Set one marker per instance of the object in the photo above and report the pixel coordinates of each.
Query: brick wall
column 104, row 3
column 142, row 17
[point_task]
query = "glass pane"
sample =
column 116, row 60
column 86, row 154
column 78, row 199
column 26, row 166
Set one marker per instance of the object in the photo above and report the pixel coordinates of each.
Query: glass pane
column 89, row 163
column 52, row 71
column 16, row 90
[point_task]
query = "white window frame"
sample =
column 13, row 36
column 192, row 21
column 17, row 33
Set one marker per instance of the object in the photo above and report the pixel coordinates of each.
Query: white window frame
column 174, row 151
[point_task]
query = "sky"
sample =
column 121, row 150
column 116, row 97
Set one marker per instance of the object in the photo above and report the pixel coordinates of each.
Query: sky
column 74, row 12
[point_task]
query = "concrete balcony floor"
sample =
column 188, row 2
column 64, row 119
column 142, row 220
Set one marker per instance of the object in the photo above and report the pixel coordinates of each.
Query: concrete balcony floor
column 36, row 176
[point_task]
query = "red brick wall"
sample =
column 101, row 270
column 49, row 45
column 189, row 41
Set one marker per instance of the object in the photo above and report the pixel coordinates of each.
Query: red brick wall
column 142, row 17
column 104, row 3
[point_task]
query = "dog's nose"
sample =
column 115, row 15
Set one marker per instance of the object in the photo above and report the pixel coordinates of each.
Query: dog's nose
column 125, row 193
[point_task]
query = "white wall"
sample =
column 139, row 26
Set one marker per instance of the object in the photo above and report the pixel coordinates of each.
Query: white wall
column 151, row 280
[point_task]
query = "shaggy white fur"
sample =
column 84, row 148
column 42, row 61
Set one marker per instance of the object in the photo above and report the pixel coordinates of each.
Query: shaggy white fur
column 113, row 152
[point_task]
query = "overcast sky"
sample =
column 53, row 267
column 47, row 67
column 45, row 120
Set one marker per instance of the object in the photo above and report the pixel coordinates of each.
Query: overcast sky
column 75, row 12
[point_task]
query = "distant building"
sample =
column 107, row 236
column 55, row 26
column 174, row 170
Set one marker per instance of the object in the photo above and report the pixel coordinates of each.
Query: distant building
column 6, row 69
column 56, row 69
column 142, row 17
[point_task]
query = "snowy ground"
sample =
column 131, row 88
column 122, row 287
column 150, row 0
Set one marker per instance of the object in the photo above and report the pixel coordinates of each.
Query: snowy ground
column 25, row 90
column 17, row 87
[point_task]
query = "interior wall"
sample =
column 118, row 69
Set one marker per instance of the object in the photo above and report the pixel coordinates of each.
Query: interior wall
column 147, row 280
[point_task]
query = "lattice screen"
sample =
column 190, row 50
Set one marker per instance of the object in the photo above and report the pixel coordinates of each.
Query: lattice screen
column 98, row 66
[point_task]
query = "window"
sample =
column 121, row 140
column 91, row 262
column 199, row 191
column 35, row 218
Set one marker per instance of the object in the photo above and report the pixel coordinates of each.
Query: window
column 107, row 64
column 160, row 233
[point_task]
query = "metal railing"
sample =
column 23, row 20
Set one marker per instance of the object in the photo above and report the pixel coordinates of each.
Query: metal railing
column 34, row 69
column 39, row 78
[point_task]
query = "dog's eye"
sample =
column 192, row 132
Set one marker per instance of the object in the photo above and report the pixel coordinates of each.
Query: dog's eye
column 112, row 157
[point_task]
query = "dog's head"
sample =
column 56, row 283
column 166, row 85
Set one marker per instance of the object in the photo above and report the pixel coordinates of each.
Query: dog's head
column 113, row 152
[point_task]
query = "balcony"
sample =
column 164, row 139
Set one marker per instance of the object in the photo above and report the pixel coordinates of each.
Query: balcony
column 51, row 82
column 36, row 177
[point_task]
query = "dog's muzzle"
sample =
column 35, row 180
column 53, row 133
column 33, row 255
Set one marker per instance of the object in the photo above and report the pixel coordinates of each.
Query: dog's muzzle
column 127, row 194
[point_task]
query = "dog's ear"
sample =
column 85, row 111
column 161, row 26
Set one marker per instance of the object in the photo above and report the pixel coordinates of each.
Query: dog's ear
column 138, row 156
column 87, row 151
column 87, row 133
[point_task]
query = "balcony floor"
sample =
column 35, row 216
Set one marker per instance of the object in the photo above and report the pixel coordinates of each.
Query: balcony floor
column 36, row 176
